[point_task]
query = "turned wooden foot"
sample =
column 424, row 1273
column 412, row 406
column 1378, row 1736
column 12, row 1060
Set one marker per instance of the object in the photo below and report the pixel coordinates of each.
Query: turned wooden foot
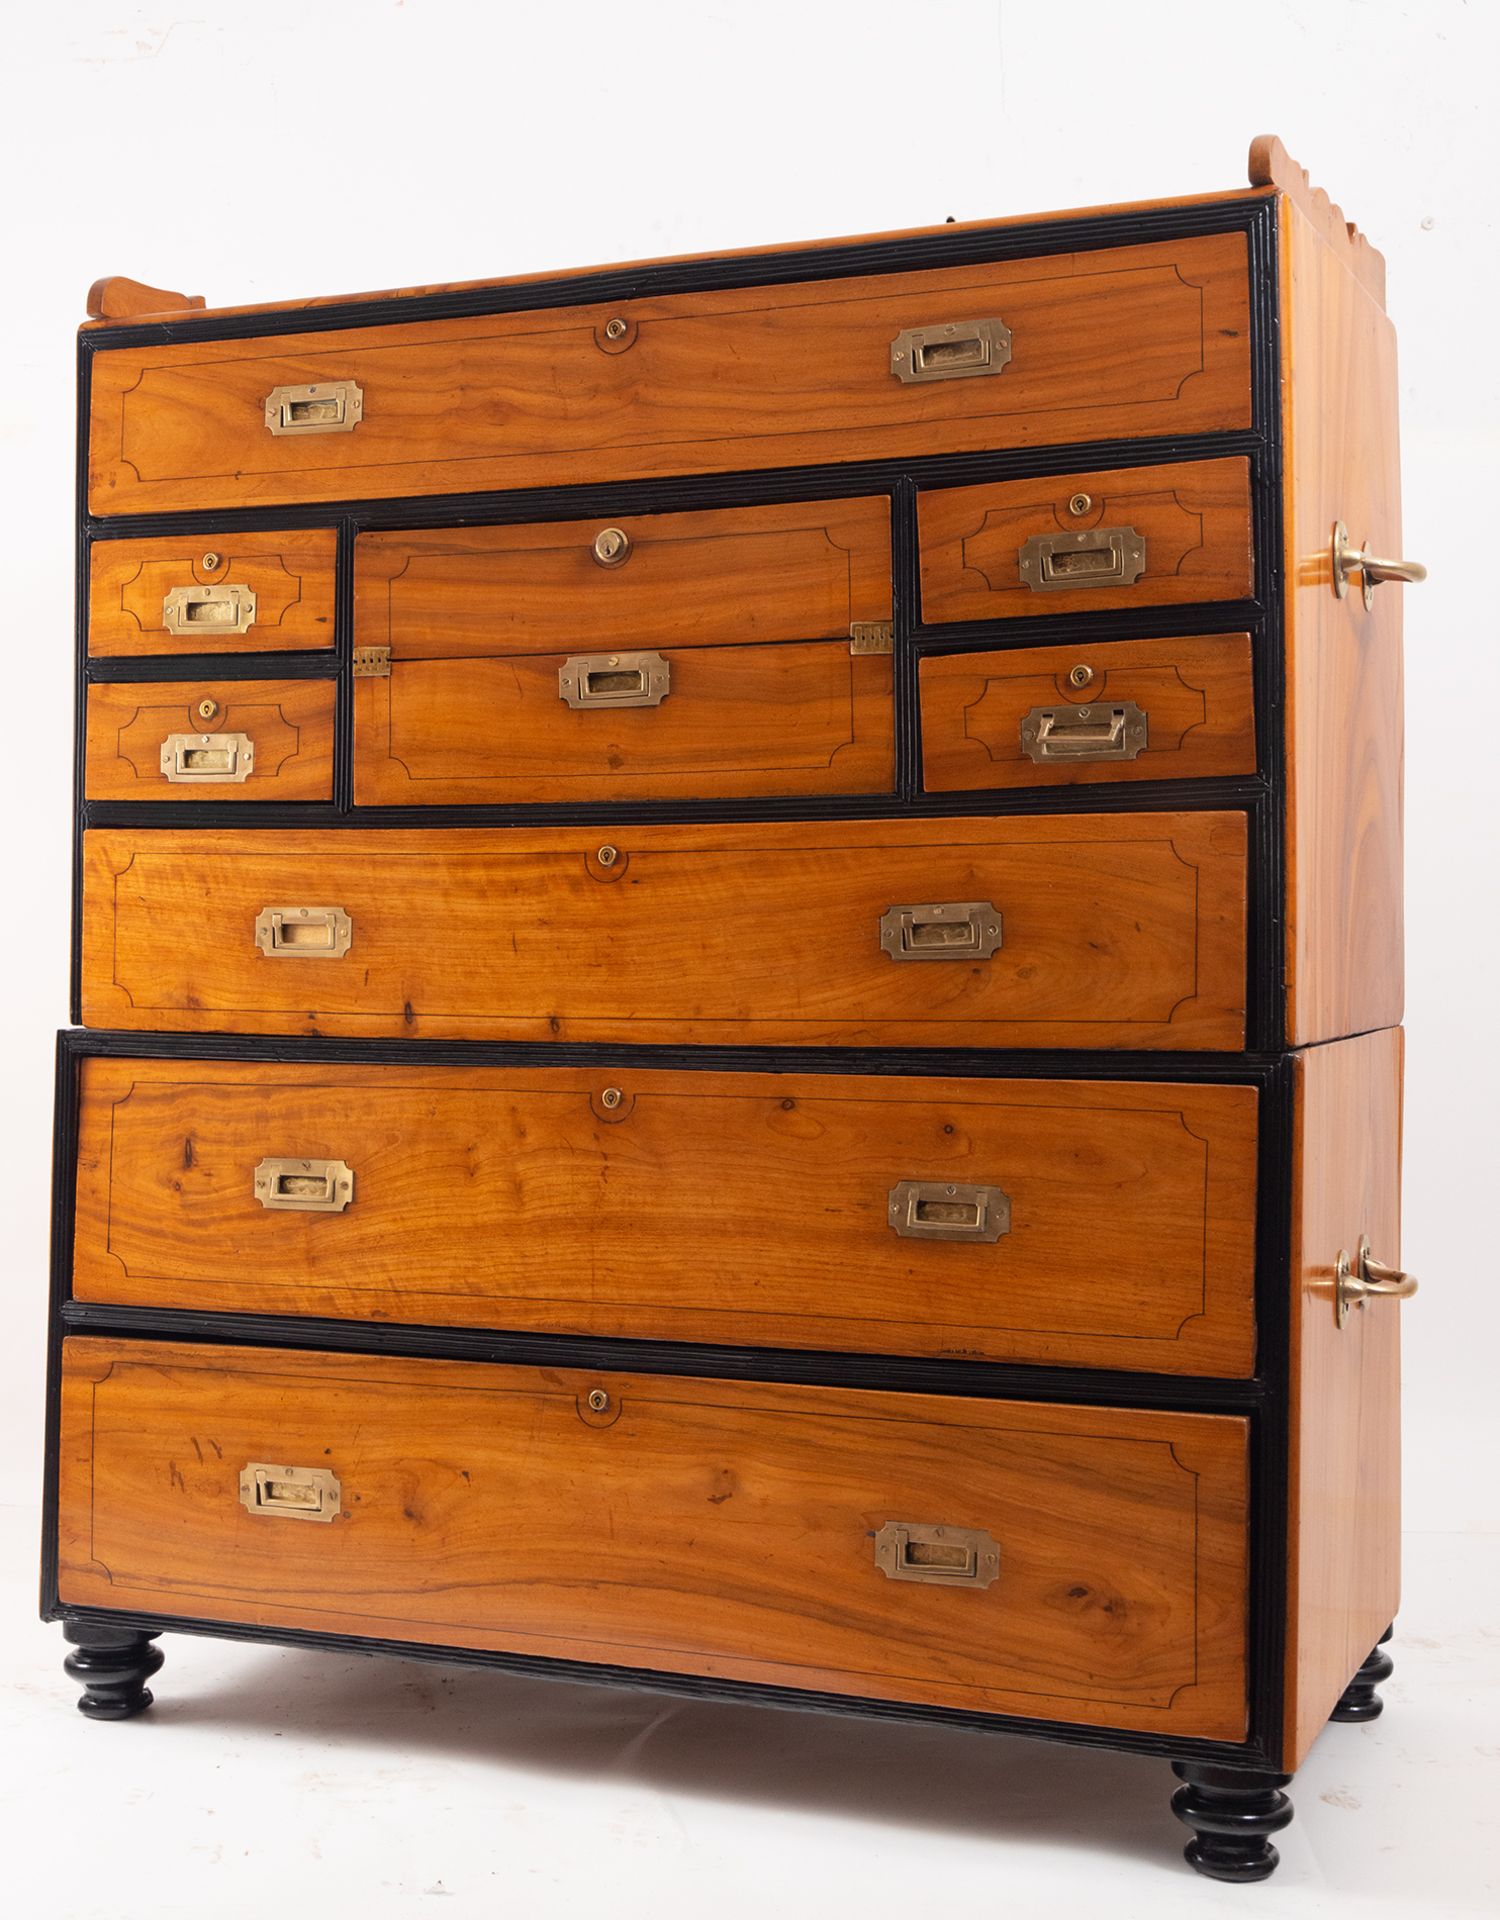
column 1359, row 1700
column 1233, row 1813
column 112, row 1665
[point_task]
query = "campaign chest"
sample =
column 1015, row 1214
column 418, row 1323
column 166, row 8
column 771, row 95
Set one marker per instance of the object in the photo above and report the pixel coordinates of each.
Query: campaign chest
column 738, row 966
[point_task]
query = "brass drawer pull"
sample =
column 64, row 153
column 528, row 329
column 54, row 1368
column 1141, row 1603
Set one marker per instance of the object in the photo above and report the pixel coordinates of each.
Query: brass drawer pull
column 938, row 1556
column 1102, row 557
column 614, row 680
column 330, row 406
column 290, row 1493
column 223, row 759
column 304, row 1186
column 1347, row 559
column 952, row 350
column 1115, row 731
column 939, row 1210
column 212, row 610
column 947, row 930
column 308, row 933
column 1366, row 1278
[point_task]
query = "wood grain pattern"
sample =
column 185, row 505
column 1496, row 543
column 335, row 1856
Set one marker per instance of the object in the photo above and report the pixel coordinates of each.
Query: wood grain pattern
column 725, row 576
column 1344, row 1568
column 741, row 1208
column 290, row 574
column 1120, row 930
column 738, row 721
column 1196, row 692
column 693, row 1526
column 1115, row 343
column 1345, row 953
column 1194, row 516
column 289, row 722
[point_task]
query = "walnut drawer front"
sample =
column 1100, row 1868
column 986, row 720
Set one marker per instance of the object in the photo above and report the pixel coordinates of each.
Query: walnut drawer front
column 210, row 740
column 1173, row 709
column 1077, row 542
column 1085, row 1564
column 719, row 652
column 1060, row 1222
column 212, row 593
column 1116, row 343
column 1116, row 930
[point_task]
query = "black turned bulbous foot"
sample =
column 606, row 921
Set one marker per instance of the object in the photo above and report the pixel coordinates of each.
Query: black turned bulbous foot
column 1233, row 1813
column 112, row 1665
column 1359, row 1700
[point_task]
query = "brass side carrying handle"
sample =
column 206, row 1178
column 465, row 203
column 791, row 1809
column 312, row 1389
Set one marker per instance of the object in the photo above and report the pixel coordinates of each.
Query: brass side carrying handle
column 937, row 1556
column 951, row 350
column 944, row 930
column 212, row 610
column 593, row 680
column 304, row 1186
column 1098, row 557
column 328, row 406
column 305, row 933
column 290, row 1493
column 1373, row 572
column 1112, row 730
column 943, row 1210
column 1366, row 1278
column 208, row 759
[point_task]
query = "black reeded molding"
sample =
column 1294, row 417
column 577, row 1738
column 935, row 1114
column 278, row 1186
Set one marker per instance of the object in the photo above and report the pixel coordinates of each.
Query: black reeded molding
column 1359, row 1700
column 112, row 1664
column 1233, row 1813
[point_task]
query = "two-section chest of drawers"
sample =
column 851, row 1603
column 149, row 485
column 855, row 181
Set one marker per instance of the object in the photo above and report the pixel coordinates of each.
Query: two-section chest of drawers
column 718, row 910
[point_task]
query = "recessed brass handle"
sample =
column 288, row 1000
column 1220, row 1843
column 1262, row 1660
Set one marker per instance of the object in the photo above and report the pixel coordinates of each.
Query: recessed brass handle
column 951, row 350
column 944, row 930
column 1366, row 1278
column 592, row 680
column 1099, row 557
column 1112, row 730
column 209, row 610
column 937, row 1556
column 328, row 406
column 304, row 1186
column 1373, row 572
column 305, row 933
column 290, row 1493
column 208, row 759
column 943, row 1210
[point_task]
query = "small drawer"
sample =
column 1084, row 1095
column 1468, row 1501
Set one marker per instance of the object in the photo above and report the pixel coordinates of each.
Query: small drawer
column 210, row 740
column 212, row 593
column 718, row 653
column 1086, row 930
column 1178, row 709
column 946, row 1218
column 1126, row 537
column 1083, row 1564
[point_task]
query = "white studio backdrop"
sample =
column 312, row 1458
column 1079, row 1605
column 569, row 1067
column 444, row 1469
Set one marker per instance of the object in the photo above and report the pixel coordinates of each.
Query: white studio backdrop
column 267, row 149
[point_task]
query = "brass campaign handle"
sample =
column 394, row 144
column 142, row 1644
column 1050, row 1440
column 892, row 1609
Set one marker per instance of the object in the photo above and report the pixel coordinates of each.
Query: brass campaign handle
column 1373, row 572
column 1366, row 1278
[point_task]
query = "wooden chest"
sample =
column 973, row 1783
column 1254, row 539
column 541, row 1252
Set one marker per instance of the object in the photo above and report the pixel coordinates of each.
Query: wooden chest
column 738, row 962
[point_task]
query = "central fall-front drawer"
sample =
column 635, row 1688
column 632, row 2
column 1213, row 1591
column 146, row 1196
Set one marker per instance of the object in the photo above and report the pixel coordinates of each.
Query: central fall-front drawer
column 1088, row 930
column 1082, row 1564
column 1064, row 1222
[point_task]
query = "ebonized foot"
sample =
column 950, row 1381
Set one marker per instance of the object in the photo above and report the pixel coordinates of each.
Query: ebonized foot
column 1359, row 1700
column 1233, row 1813
column 112, row 1664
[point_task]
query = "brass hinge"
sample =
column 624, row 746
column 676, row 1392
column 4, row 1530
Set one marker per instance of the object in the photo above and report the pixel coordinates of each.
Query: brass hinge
column 871, row 636
column 372, row 663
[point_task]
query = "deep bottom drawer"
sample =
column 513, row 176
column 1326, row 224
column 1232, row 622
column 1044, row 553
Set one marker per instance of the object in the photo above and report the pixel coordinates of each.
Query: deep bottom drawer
column 1069, row 1563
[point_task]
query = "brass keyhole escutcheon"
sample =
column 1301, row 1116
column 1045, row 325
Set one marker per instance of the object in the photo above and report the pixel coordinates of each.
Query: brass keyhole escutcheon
column 598, row 1401
column 616, row 329
column 612, row 546
column 212, row 562
column 1080, row 504
column 1080, row 676
column 611, row 1098
column 208, row 709
column 607, row 856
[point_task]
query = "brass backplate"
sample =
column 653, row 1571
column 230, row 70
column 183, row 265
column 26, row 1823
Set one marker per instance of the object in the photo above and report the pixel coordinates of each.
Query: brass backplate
column 1101, row 557
column 214, row 611
column 871, row 636
column 208, row 759
column 944, row 930
column 950, row 350
column 328, row 406
column 372, row 663
column 1107, row 730
column 944, row 1210
column 593, row 680
column 938, row 1556
column 290, row 1493
column 304, row 1186
column 304, row 933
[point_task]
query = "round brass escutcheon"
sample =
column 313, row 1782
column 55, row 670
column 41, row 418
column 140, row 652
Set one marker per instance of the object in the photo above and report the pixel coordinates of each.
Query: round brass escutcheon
column 616, row 329
column 1080, row 503
column 598, row 1401
column 607, row 856
column 612, row 546
column 611, row 1097
column 207, row 709
column 212, row 562
column 1080, row 676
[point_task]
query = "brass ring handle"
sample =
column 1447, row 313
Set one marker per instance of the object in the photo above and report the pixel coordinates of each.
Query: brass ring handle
column 1366, row 1278
column 1347, row 559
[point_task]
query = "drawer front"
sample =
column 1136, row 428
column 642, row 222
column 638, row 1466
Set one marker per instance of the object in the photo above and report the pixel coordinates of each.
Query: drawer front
column 693, row 1526
column 1176, row 709
column 262, row 592
column 1117, row 343
column 1077, row 542
column 1112, row 930
column 210, row 740
column 958, row 1218
column 703, row 654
